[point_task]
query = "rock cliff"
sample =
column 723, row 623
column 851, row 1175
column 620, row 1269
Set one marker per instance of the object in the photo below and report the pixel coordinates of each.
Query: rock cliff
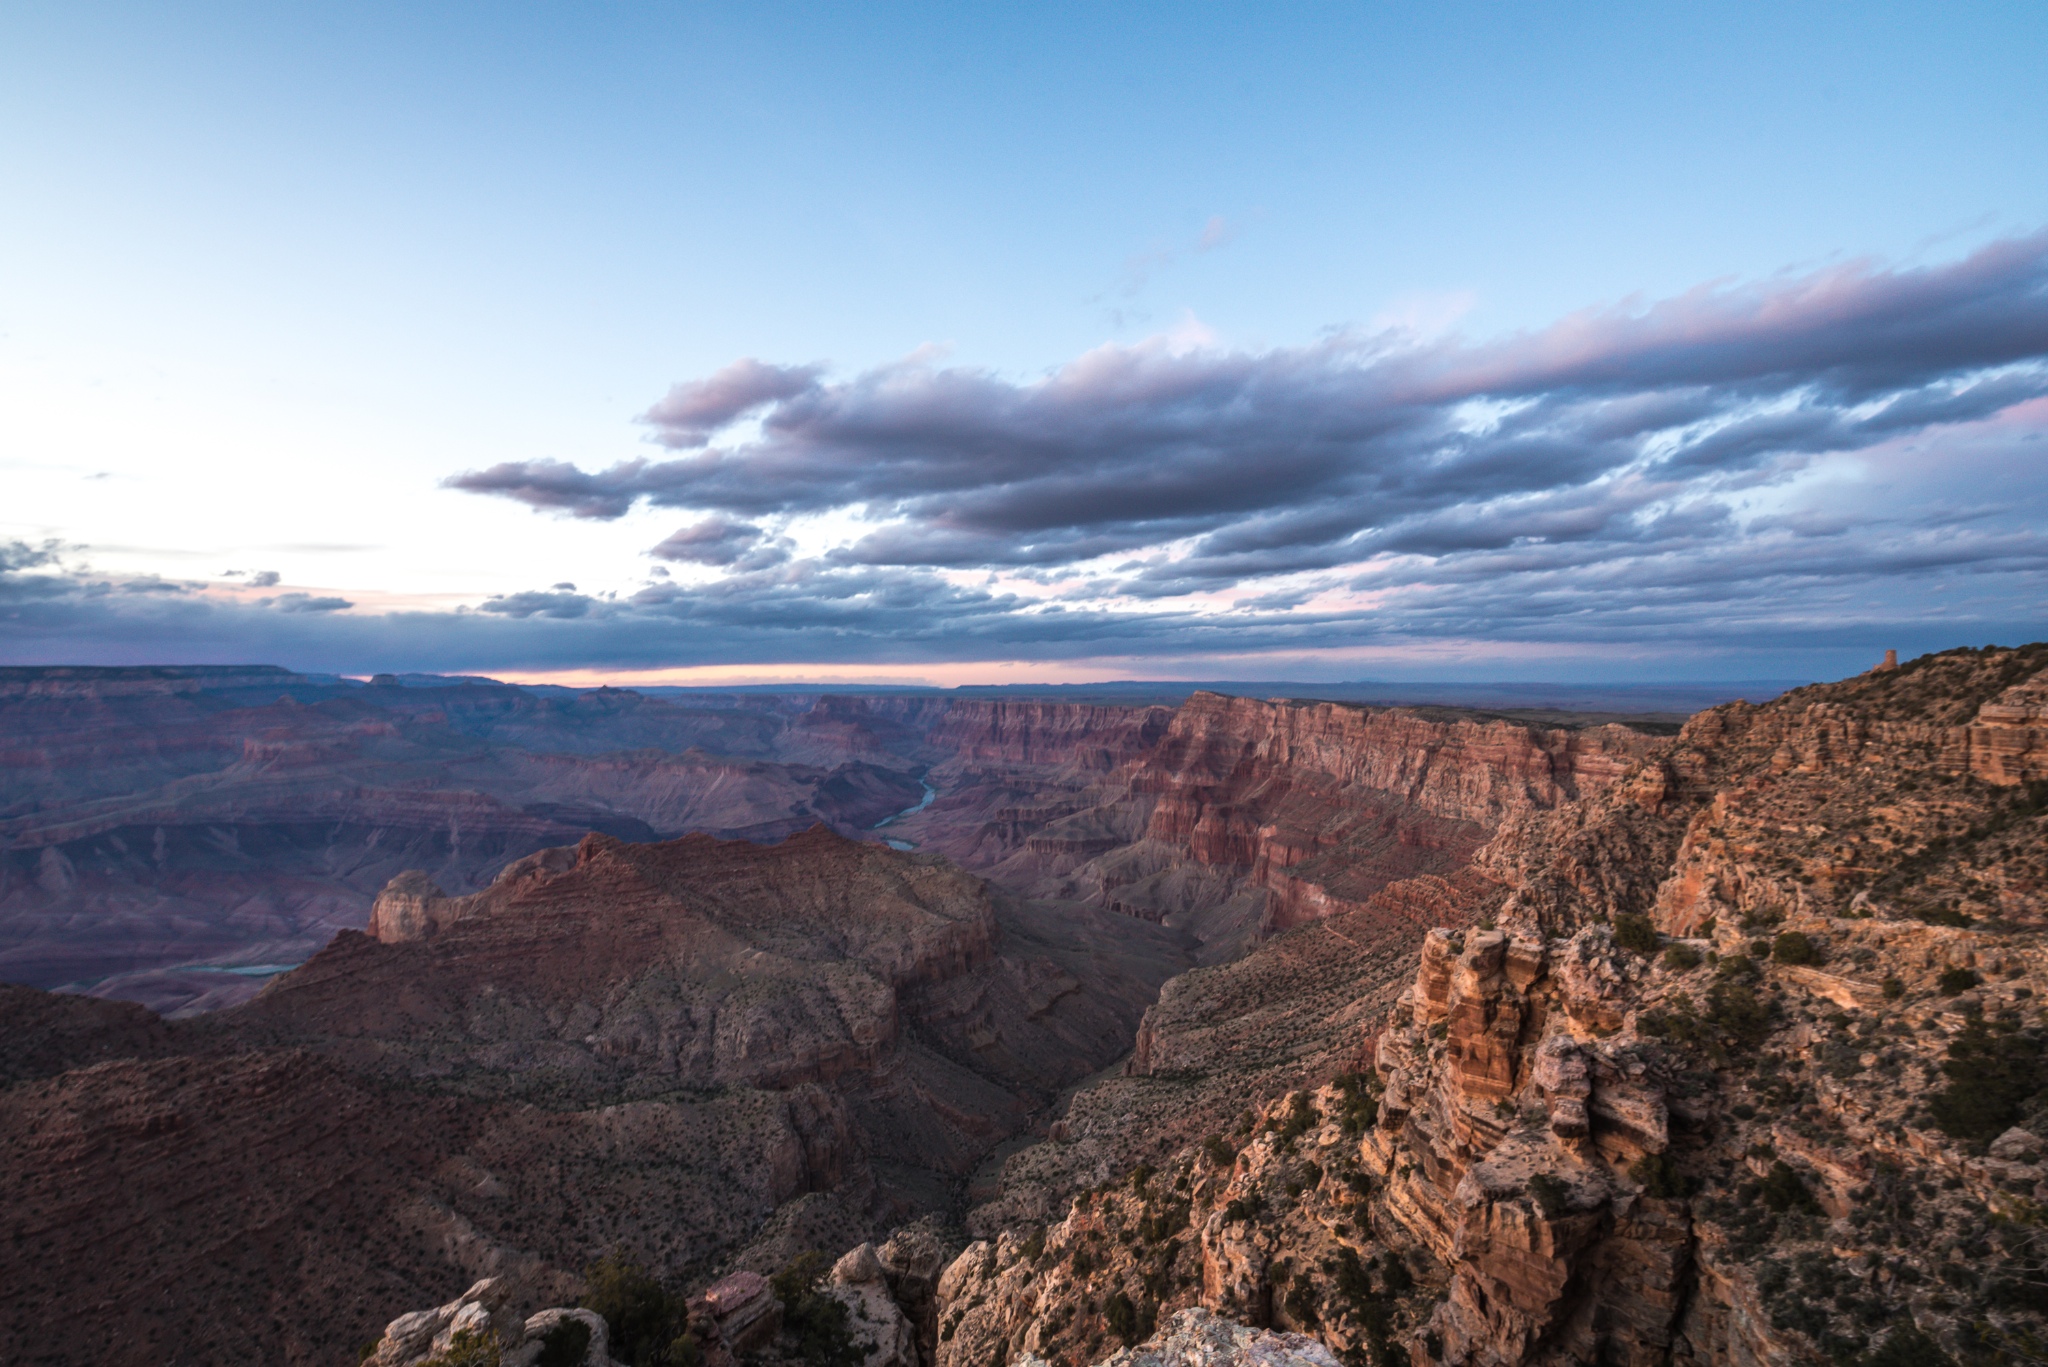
column 1738, row 1058
column 1234, row 817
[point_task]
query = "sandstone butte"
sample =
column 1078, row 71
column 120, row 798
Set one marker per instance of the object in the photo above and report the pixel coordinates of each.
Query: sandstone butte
column 1503, row 1044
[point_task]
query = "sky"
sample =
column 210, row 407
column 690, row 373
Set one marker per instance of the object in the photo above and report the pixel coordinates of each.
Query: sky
column 707, row 343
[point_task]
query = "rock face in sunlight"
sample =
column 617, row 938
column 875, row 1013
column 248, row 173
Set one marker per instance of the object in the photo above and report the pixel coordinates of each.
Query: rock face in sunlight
column 1738, row 1059
column 1234, row 817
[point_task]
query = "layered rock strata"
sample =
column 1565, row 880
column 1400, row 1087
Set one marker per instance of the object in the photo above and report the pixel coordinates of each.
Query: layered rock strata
column 1738, row 1059
column 705, row 1055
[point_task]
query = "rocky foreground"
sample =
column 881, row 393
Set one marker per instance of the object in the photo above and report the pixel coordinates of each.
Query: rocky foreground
column 1739, row 1060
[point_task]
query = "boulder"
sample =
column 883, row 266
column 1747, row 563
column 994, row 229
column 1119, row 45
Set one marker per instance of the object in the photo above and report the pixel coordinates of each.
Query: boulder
column 2014, row 1145
column 415, row 1337
column 540, row 1324
column 1196, row 1338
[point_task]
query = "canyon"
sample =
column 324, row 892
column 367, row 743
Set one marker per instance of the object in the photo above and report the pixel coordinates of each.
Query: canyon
column 1421, row 1035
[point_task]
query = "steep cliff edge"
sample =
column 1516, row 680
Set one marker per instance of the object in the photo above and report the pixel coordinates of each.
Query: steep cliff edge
column 1739, row 1059
column 1234, row 817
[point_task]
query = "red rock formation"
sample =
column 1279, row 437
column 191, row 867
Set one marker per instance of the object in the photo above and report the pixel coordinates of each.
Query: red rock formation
column 1245, row 814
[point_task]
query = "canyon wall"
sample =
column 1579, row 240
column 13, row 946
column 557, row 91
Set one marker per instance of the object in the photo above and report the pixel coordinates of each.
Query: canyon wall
column 1234, row 817
column 1738, row 1059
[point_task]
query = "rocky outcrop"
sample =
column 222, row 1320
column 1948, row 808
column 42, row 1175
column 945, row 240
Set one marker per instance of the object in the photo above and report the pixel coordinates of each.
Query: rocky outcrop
column 2009, row 735
column 483, row 1310
column 860, row 1282
column 1196, row 1338
column 740, row 1313
column 1693, row 1074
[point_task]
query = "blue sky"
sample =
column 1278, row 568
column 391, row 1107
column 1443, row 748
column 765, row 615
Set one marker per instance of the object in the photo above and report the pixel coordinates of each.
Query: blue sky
column 279, row 285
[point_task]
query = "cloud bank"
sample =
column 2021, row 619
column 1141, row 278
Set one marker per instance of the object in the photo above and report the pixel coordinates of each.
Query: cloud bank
column 1855, row 453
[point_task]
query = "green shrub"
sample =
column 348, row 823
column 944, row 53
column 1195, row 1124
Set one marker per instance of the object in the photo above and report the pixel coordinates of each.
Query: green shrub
column 1794, row 947
column 1954, row 980
column 1907, row 1346
column 470, row 1348
column 1659, row 1177
column 1218, row 1151
column 1302, row 1115
column 1358, row 1109
column 1991, row 1073
column 817, row 1325
column 1301, row 1304
column 1122, row 1317
column 1783, row 1189
column 643, row 1317
column 1635, row 932
column 1034, row 1247
column 1400, row 1281
column 565, row 1345
column 1681, row 958
column 1893, row 989
column 1354, row 1283
column 1735, row 1010
column 1549, row 1193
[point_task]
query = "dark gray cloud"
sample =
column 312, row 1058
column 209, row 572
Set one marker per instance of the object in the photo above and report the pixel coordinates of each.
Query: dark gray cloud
column 533, row 603
column 1297, row 459
column 306, row 602
column 690, row 413
column 714, row 541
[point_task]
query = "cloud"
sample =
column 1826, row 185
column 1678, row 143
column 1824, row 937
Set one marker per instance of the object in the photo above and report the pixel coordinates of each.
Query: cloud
column 1298, row 459
column 690, row 413
column 263, row 579
column 1847, row 456
column 713, row 541
column 558, row 605
column 306, row 602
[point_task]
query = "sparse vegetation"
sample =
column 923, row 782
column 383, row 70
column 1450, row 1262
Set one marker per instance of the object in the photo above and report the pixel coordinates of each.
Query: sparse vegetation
column 645, row 1319
column 1955, row 980
column 1993, row 1070
column 565, row 1345
column 1681, row 958
column 1302, row 1116
column 1635, row 932
column 1550, row 1194
column 815, row 1325
column 1784, row 1189
column 1795, row 947
column 1358, row 1109
column 1735, row 1010
column 1659, row 1177
column 470, row 1348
